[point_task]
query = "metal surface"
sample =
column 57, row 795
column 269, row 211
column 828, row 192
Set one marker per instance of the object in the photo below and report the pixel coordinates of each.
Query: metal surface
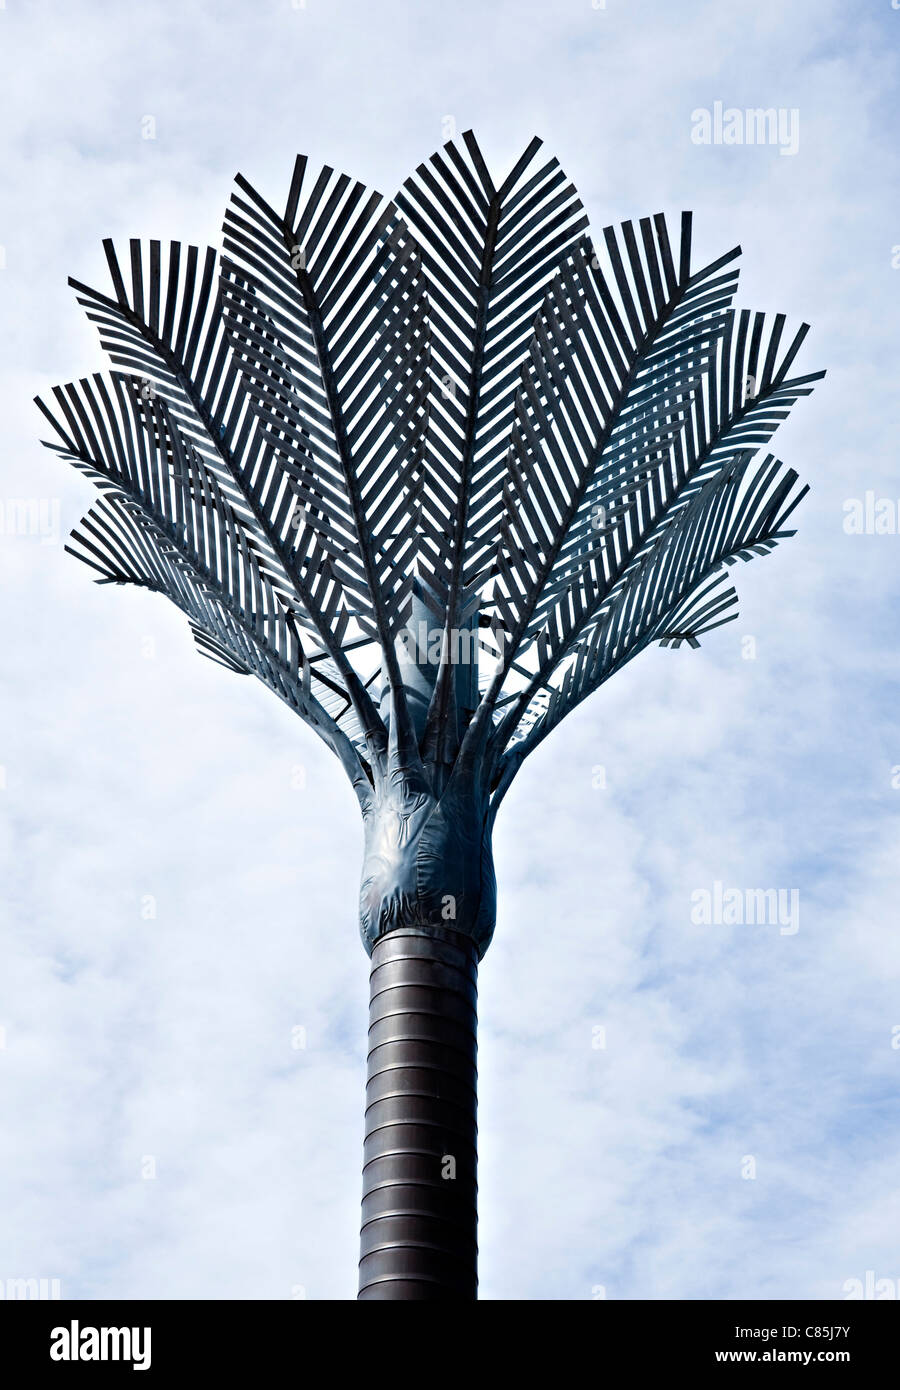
column 418, row 1237
column 452, row 412
column 455, row 400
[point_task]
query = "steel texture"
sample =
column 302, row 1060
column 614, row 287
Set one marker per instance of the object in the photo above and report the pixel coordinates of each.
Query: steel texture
column 418, row 1239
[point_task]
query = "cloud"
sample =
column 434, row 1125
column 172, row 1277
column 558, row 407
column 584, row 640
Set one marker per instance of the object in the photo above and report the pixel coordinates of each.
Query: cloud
column 175, row 907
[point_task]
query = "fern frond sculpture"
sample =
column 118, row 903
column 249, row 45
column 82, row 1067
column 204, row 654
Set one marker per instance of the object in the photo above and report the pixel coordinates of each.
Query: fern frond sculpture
column 433, row 470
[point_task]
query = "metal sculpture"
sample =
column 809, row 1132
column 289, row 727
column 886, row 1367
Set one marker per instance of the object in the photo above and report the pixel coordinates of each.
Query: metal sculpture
column 432, row 470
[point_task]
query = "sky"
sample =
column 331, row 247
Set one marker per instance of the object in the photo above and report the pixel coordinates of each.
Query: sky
column 670, row 1107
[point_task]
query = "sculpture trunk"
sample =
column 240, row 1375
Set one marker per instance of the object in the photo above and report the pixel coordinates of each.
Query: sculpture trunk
column 427, row 909
column 418, row 1237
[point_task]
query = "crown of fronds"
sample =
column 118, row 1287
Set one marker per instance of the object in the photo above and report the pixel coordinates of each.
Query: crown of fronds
column 455, row 396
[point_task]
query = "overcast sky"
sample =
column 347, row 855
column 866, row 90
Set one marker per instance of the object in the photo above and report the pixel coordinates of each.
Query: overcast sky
column 180, row 854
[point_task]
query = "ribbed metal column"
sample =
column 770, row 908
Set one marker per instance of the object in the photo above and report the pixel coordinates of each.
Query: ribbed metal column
column 418, row 1238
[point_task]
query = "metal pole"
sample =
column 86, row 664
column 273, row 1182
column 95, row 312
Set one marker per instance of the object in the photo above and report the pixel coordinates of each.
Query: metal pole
column 418, row 1239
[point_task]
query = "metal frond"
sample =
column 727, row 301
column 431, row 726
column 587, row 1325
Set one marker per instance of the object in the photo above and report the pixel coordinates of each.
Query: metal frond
column 452, row 412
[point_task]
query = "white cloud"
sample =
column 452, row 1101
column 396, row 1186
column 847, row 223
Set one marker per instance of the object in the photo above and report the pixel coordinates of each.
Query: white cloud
column 130, row 775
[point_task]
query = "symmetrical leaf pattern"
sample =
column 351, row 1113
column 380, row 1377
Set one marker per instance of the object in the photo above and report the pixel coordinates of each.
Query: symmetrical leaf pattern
column 454, row 404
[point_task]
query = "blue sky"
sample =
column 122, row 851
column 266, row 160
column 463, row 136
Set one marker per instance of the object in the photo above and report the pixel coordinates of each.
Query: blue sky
column 175, row 904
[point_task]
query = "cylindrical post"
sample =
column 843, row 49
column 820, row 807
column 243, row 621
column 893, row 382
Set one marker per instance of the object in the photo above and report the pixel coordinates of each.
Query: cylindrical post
column 418, row 1238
